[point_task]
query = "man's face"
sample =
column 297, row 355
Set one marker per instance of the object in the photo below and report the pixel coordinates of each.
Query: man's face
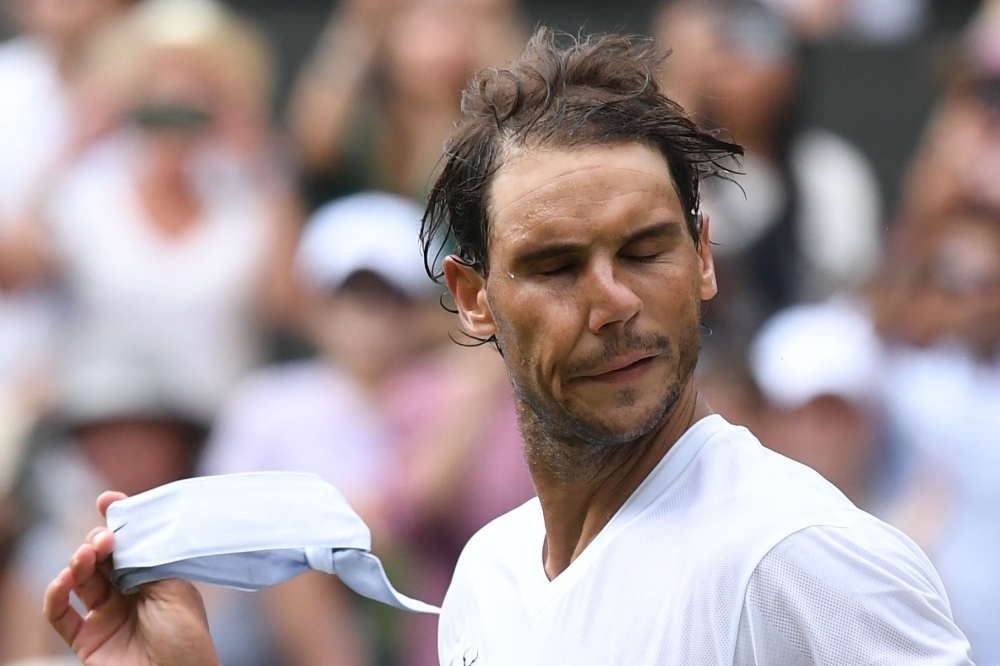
column 594, row 289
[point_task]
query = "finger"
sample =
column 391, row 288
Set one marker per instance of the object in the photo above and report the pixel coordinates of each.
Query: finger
column 58, row 610
column 103, row 542
column 108, row 498
column 91, row 585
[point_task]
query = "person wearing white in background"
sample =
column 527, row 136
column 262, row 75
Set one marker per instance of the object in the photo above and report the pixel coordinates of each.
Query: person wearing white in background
column 661, row 533
column 817, row 367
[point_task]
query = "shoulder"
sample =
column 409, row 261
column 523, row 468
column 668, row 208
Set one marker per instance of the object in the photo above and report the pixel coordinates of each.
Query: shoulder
column 488, row 574
column 846, row 594
column 848, row 558
column 737, row 471
column 502, row 540
column 495, row 552
column 753, row 497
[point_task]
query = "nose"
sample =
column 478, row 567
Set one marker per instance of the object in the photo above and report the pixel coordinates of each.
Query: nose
column 610, row 300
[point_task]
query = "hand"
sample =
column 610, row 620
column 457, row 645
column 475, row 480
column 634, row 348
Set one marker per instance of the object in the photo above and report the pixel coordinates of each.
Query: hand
column 164, row 624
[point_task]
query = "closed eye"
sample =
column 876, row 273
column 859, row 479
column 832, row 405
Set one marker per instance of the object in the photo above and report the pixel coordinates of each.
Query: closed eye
column 643, row 258
column 563, row 269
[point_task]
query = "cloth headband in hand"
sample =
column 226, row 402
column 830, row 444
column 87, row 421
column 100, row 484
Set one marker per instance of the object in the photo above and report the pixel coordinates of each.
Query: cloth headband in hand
column 247, row 531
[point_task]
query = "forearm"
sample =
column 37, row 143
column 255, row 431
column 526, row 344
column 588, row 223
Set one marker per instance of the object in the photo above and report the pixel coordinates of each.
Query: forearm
column 329, row 87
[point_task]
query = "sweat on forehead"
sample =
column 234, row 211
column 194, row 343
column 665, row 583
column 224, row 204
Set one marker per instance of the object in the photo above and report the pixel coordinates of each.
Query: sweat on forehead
column 560, row 93
column 528, row 185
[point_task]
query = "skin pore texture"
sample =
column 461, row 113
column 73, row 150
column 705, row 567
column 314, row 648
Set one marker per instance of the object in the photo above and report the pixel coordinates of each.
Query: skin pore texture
column 594, row 292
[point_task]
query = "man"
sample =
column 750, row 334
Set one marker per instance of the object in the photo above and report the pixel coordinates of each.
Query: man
column 661, row 534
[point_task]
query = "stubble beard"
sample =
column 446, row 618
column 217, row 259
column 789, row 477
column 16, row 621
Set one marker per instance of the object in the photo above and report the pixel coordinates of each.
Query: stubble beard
column 563, row 445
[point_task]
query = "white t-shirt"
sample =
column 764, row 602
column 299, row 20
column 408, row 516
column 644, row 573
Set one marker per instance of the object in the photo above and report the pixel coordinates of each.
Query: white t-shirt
column 183, row 309
column 727, row 553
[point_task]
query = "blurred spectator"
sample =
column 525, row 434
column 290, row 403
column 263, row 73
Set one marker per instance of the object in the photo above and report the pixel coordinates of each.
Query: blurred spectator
column 959, row 158
column 883, row 21
column 420, row 435
column 172, row 230
column 817, row 366
column 38, row 69
column 942, row 391
column 119, row 425
column 377, row 99
column 802, row 220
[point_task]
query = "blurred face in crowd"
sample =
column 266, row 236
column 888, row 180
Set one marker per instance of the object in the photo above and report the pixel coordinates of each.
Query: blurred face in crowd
column 753, row 76
column 364, row 326
column 974, row 115
column 830, row 434
column 136, row 454
column 434, row 46
column 176, row 109
column 63, row 21
column 751, row 92
column 955, row 292
column 964, row 278
column 690, row 30
column 594, row 289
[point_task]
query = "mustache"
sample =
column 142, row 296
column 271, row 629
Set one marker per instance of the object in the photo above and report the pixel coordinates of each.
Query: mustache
column 628, row 343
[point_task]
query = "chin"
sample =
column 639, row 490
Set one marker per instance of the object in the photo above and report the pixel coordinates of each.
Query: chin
column 621, row 425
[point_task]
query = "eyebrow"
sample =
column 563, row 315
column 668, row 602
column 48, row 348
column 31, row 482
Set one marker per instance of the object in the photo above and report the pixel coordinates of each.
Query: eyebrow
column 542, row 253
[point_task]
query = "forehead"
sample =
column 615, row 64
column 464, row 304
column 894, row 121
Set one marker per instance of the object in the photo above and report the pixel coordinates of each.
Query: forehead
column 580, row 191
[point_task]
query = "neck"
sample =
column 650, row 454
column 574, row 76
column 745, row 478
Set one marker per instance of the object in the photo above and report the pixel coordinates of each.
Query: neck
column 68, row 56
column 170, row 200
column 580, row 499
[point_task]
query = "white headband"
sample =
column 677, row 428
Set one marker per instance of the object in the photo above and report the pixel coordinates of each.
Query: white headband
column 247, row 531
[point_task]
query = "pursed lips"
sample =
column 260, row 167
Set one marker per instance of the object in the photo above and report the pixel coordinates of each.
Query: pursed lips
column 621, row 369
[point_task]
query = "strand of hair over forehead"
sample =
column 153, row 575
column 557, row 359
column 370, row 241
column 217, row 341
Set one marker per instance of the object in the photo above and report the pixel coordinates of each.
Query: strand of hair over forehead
column 576, row 76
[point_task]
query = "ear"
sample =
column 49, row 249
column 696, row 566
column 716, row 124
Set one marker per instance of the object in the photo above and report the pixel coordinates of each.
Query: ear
column 707, row 285
column 468, row 288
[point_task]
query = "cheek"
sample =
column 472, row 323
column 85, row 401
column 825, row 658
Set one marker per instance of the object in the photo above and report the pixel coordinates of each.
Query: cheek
column 542, row 332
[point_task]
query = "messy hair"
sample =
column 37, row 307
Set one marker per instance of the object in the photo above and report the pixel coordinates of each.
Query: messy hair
column 561, row 92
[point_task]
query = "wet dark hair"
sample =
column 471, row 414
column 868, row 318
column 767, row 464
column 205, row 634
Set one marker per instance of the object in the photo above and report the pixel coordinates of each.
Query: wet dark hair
column 561, row 92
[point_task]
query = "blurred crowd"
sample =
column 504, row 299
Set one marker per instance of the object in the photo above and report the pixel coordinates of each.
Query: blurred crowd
column 191, row 285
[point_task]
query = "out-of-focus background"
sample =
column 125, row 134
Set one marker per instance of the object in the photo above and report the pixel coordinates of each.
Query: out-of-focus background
column 208, row 264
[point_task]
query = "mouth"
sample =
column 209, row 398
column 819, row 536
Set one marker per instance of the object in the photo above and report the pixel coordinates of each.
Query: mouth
column 622, row 370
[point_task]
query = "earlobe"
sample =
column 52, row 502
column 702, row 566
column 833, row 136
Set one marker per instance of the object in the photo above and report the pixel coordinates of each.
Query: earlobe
column 468, row 288
column 707, row 286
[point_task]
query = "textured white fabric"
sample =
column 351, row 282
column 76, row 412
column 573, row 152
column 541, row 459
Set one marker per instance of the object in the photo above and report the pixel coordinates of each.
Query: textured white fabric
column 857, row 595
column 702, row 565
column 247, row 532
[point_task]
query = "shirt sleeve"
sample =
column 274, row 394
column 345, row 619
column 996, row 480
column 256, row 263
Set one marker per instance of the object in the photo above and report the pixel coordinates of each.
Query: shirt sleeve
column 862, row 594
